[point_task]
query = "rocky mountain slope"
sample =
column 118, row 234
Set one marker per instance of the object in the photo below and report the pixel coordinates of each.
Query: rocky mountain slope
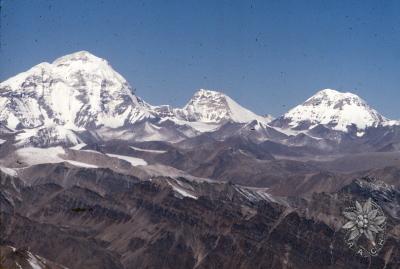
column 99, row 219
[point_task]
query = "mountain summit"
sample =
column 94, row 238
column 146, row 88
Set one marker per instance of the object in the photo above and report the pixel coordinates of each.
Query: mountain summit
column 213, row 106
column 78, row 90
column 336, row 110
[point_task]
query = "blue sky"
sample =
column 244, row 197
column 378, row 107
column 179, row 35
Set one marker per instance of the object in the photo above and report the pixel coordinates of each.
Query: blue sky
column 267, row 55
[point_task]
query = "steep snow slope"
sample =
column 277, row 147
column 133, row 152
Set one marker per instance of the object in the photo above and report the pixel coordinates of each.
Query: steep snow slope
column 211, row 106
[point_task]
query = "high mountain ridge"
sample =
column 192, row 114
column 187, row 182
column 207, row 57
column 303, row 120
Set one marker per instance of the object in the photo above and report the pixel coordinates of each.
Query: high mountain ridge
column 80, row 91
column 80, row 96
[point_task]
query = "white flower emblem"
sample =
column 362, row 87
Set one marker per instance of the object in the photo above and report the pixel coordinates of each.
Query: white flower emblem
column 365, row 220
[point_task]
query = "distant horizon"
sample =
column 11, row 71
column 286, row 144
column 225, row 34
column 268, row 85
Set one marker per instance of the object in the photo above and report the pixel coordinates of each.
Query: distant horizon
column 268, row 56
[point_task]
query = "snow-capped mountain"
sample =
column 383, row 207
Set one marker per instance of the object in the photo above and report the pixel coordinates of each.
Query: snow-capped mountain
column 212, row 106
column 80, row 98
column 334, row 109
column 55, row 102
column 77, row 91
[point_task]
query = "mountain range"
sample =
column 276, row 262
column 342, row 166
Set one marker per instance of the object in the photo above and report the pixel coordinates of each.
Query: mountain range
column 80, row 92
column 92, row 176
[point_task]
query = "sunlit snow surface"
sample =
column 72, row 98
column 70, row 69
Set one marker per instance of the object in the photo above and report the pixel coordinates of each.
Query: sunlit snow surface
column 337, row 109
column 148, row 150
column 8, row 171
column 82, row 164
column 197, row 125
column 132, row 160
column 35, row 263
column 74, row 91
column 211, row 107
column 34, row 156
column 180, row 190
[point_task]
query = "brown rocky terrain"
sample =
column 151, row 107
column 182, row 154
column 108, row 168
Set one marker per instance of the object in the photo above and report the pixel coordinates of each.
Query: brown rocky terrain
column 101, row 219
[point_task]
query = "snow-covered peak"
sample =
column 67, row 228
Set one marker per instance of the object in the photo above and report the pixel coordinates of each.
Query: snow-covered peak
column 79, row 56
column 333, row 95
column 78, row 90
column 213, row 106
column 86, row 62
column 335, row 109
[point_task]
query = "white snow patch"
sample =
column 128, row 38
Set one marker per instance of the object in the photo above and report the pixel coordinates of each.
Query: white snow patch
column 197, row 125
column 91, row 150
column 2, row 141
column 33, row 156
column 81, row 164
column 148, row 150
column 254, row 194
column 8, row 171
column 132, row 160
column 360, row 133
column 34, row 263
column 182, row 191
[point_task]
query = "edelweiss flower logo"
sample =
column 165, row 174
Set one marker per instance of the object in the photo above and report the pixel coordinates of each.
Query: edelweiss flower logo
column 369, row 221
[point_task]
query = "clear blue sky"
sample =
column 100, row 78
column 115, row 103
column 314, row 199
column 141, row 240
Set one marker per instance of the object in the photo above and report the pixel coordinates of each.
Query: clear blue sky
column 268, row 55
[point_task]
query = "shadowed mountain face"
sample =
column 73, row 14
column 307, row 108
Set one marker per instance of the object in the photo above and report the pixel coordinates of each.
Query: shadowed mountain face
column 92, row 176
